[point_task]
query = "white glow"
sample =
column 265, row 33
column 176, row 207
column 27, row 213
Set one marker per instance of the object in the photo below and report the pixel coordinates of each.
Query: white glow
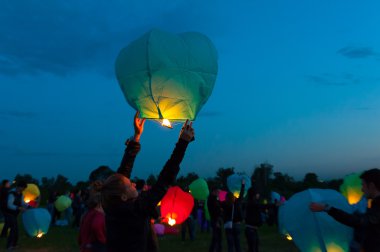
column 166, row 123
column 171, row 222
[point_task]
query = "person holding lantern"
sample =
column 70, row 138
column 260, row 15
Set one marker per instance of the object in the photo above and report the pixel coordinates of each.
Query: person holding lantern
column 232, row 216
column 369, row 222
column 128, row 214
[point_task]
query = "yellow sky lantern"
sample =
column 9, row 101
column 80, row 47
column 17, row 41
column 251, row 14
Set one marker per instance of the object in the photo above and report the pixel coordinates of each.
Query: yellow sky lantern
column 31, row 192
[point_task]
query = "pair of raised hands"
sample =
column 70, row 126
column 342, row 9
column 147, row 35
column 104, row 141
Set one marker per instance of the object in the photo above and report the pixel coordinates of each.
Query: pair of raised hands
column 187, row 131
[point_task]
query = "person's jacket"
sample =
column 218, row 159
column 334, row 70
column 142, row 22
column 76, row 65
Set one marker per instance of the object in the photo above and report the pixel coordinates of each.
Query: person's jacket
column 253, row 213
column 14, row 201
column 227, row 208
column 128, row 225
column 214, row 208
column 369, row 223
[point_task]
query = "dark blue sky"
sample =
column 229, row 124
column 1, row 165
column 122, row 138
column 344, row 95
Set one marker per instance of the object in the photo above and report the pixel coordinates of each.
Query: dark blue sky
column 298, row 86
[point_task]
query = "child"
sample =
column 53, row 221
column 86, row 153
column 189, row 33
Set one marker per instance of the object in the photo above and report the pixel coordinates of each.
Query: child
column 128, row 213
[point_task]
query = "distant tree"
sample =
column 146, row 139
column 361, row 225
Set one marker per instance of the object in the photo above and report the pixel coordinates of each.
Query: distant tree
column 261, row 178
column 222, row 174
column 184, row 182
column 101, row 173
column 27, row 178
column 311, row 181
column 334, row 184
column 151, row 180
column 62, row 185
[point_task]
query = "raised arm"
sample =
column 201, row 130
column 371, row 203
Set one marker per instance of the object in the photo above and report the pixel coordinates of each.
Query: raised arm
column 167, row 176
column 133, row 147
column 242, row 188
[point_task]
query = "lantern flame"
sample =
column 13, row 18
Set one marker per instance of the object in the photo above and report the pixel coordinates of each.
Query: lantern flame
column 27, row 200
column 166, row 123
column 289, row 237
column 40, row 234
column 171, row 221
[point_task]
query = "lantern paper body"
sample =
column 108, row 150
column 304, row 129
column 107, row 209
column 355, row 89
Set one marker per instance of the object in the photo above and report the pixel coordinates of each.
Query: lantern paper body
column 222, row 195
column 352, row 188
column 159, row 229
column 234, row 184
column 199, row 189
column 36, row 221
column 315, row 231
column 62, row 203
column 176, row 205
column 169, row 76
column 31, row 192
column 275, row 197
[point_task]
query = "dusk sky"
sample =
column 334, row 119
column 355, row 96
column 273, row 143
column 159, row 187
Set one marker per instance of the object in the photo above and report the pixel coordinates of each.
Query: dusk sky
column 298, row 86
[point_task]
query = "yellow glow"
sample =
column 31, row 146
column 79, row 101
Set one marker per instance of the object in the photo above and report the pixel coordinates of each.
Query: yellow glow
column 353, row 196
column 236, row 194
column 332, row 247
column 289, row 237
column 159, row 203
column 40, row 234
column 27, row 200
column 171, row 222
column 369, row 204
column 166, row 123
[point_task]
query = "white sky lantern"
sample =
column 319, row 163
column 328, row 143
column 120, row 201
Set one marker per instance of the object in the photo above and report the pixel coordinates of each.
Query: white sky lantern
column 312, row 231
column 167, row 76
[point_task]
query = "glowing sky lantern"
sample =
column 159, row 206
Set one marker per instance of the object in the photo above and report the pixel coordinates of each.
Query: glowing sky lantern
column 176, row 206
column 167, row 76
column 62, row 202
column 312, row 231
column 234, row 183
column 222, row 195
column 199, row 189
column 36, row 222
column 31, row 192
column 352, row 188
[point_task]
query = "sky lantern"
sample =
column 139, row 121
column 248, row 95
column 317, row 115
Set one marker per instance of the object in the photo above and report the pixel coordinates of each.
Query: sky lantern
column 222, row 195
column 176, row 206
column 352, row 188
column 36, row 222
column 62, row 202
column 199, row 189
column 313, row 231
column 31, row 192
column 275, row 196
column 167, row 77
column 234, row 183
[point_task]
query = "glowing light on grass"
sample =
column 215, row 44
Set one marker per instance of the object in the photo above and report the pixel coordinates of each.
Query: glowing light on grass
column 39, row 234
column 289, row 237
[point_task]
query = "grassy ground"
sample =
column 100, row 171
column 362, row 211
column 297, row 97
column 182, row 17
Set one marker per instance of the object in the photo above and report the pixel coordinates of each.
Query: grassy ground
column 64, row 239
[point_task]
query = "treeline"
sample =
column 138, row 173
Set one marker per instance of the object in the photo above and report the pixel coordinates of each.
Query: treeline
column 263, row 178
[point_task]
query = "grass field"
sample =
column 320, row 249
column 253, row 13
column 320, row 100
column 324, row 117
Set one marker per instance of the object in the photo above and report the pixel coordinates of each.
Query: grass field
column 65, row 239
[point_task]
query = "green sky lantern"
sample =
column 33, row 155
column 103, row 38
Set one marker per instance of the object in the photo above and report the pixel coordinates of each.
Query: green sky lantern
column 62, row 203
column 199, row 189
column 167, row 76
column 352, row 188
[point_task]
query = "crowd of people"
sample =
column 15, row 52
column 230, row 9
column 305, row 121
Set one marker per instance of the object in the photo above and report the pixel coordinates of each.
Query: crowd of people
column 115, row 214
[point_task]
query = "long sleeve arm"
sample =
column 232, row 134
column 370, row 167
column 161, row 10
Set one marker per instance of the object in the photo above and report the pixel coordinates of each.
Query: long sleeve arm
column 150, row 199
column 10, row 203
column 129, row 157
column 355, row 220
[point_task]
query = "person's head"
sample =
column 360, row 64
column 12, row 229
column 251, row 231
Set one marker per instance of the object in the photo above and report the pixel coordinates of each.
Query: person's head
column 5, row 183
column 371, row 183
column 20, row 186
column 94, row 198
column 116, row 189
